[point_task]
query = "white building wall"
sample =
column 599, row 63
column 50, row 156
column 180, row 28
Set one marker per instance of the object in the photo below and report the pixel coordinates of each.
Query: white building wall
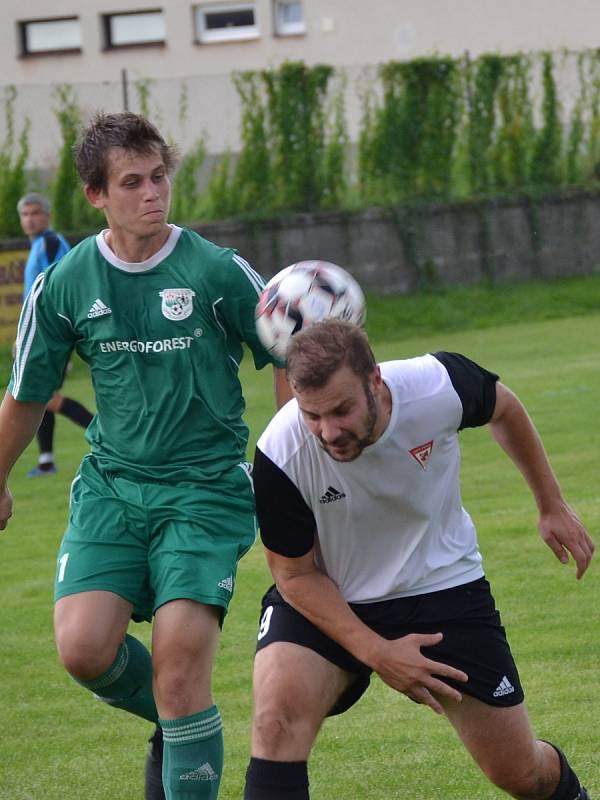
column 345, row 33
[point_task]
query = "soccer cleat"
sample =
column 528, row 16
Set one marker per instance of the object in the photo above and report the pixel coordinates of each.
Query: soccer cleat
column 38, row 471
column 153, row 785
column 583, row 795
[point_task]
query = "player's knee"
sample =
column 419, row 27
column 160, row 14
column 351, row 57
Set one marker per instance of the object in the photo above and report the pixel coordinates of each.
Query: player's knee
column 277, row 725
column 169, row 684
column 55, row 403
column 180, row 685
column 83, row 657
column 271, row 728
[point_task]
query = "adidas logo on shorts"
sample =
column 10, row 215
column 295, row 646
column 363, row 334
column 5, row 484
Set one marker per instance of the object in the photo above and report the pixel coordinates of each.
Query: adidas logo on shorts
column 226, row 583
column 504, row 687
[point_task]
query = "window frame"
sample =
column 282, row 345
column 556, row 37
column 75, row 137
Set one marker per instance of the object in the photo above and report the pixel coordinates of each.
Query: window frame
column 106, row 19
column 23, row 25
column 204, row 35
column 280, row 29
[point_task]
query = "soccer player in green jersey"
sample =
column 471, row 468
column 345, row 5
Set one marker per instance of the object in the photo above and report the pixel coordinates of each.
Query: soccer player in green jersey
column 162, row 508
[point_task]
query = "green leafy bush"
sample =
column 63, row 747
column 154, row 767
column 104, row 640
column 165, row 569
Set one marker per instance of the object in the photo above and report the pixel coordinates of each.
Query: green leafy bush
column 13, row 159
column 431, row 129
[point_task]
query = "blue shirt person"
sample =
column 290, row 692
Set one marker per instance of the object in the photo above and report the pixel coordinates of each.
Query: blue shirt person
column 47, row 247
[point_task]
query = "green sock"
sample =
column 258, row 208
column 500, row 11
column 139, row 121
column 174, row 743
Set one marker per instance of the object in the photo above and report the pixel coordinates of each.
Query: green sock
column 193, row 756
column 127, row 683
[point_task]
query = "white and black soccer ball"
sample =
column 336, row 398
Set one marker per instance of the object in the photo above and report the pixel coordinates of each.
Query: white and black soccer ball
column 302, row 294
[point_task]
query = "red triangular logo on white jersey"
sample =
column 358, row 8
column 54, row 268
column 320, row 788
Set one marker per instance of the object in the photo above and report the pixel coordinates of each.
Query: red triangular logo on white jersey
column 421, row 453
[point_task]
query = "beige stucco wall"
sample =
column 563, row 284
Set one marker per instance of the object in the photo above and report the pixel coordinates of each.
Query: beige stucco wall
column 341, row 32
column 344, row 33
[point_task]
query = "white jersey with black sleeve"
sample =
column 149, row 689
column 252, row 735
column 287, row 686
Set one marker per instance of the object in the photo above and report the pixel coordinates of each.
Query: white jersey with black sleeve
column 390, row 523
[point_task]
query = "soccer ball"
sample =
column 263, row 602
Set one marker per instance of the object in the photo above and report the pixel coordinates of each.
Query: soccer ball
column 302, row 294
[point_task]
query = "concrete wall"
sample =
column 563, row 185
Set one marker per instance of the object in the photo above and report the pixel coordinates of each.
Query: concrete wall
column 399, row 251
column 403, row 250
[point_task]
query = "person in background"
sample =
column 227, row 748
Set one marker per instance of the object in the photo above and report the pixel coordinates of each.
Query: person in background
column 47, row 246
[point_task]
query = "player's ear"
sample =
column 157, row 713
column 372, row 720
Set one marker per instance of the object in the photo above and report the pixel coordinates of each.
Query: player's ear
column 95, row 197
column 376, row 379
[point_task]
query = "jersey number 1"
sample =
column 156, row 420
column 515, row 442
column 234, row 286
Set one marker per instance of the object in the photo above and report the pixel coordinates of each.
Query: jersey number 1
column 62, row 566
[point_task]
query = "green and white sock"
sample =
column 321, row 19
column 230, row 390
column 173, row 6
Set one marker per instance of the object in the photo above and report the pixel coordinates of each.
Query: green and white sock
column 193, row 756
column 127, row 683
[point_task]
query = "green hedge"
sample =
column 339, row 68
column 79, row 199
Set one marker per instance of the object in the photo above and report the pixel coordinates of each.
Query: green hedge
column 437, row 128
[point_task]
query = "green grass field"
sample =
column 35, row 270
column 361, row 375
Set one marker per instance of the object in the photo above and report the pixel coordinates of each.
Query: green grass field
column 58, row 743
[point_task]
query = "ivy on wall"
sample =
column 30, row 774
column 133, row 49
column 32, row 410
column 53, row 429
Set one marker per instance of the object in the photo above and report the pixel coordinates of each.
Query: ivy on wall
column 410, row 136
column 431, row 129
column 13, row 158
column 65, row 184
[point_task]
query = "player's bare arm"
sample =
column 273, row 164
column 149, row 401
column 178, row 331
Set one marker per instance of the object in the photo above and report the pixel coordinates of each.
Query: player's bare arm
column 399, row 662
column 559, row 526
column 18, row 424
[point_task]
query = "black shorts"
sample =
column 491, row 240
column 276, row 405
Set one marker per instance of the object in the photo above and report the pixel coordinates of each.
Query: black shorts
column 474, row 638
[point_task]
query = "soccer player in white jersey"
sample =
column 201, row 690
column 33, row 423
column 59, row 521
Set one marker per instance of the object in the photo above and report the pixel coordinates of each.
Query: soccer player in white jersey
column 162, row 508
column 376, row 562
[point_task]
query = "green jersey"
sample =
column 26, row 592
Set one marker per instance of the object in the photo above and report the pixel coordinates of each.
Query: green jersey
column 163, row 339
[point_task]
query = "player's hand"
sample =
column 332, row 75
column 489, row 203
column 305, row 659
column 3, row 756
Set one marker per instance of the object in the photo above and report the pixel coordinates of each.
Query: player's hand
column 564, row 533
column 403, row 667
column 5, row 508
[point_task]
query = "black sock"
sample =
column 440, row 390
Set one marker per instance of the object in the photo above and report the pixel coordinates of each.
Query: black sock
column 45, row 433
column 568, row 787
column 276, row 780
column 74, row 411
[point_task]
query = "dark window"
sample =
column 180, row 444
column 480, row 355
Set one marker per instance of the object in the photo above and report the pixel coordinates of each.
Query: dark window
column 229, row 19
column 225, row 22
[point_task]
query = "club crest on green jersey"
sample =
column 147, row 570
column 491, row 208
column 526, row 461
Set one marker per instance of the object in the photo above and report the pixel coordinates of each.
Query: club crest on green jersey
column 177, row 304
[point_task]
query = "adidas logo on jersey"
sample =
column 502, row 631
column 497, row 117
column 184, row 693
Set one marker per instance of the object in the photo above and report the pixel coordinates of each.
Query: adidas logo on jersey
column 331, row 495
column 98, row 310
column 226, row 583
column 203, row 773
column 504, row 687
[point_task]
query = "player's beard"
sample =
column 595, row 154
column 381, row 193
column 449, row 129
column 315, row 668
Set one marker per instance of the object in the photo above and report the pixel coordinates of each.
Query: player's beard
column 352, row 443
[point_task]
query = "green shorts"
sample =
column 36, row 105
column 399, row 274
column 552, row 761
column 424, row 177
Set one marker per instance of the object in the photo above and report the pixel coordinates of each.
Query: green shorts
column 153, row 542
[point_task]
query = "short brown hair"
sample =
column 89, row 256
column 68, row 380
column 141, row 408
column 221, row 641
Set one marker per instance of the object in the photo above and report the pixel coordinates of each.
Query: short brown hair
column 317, row 352
column 126, row 130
